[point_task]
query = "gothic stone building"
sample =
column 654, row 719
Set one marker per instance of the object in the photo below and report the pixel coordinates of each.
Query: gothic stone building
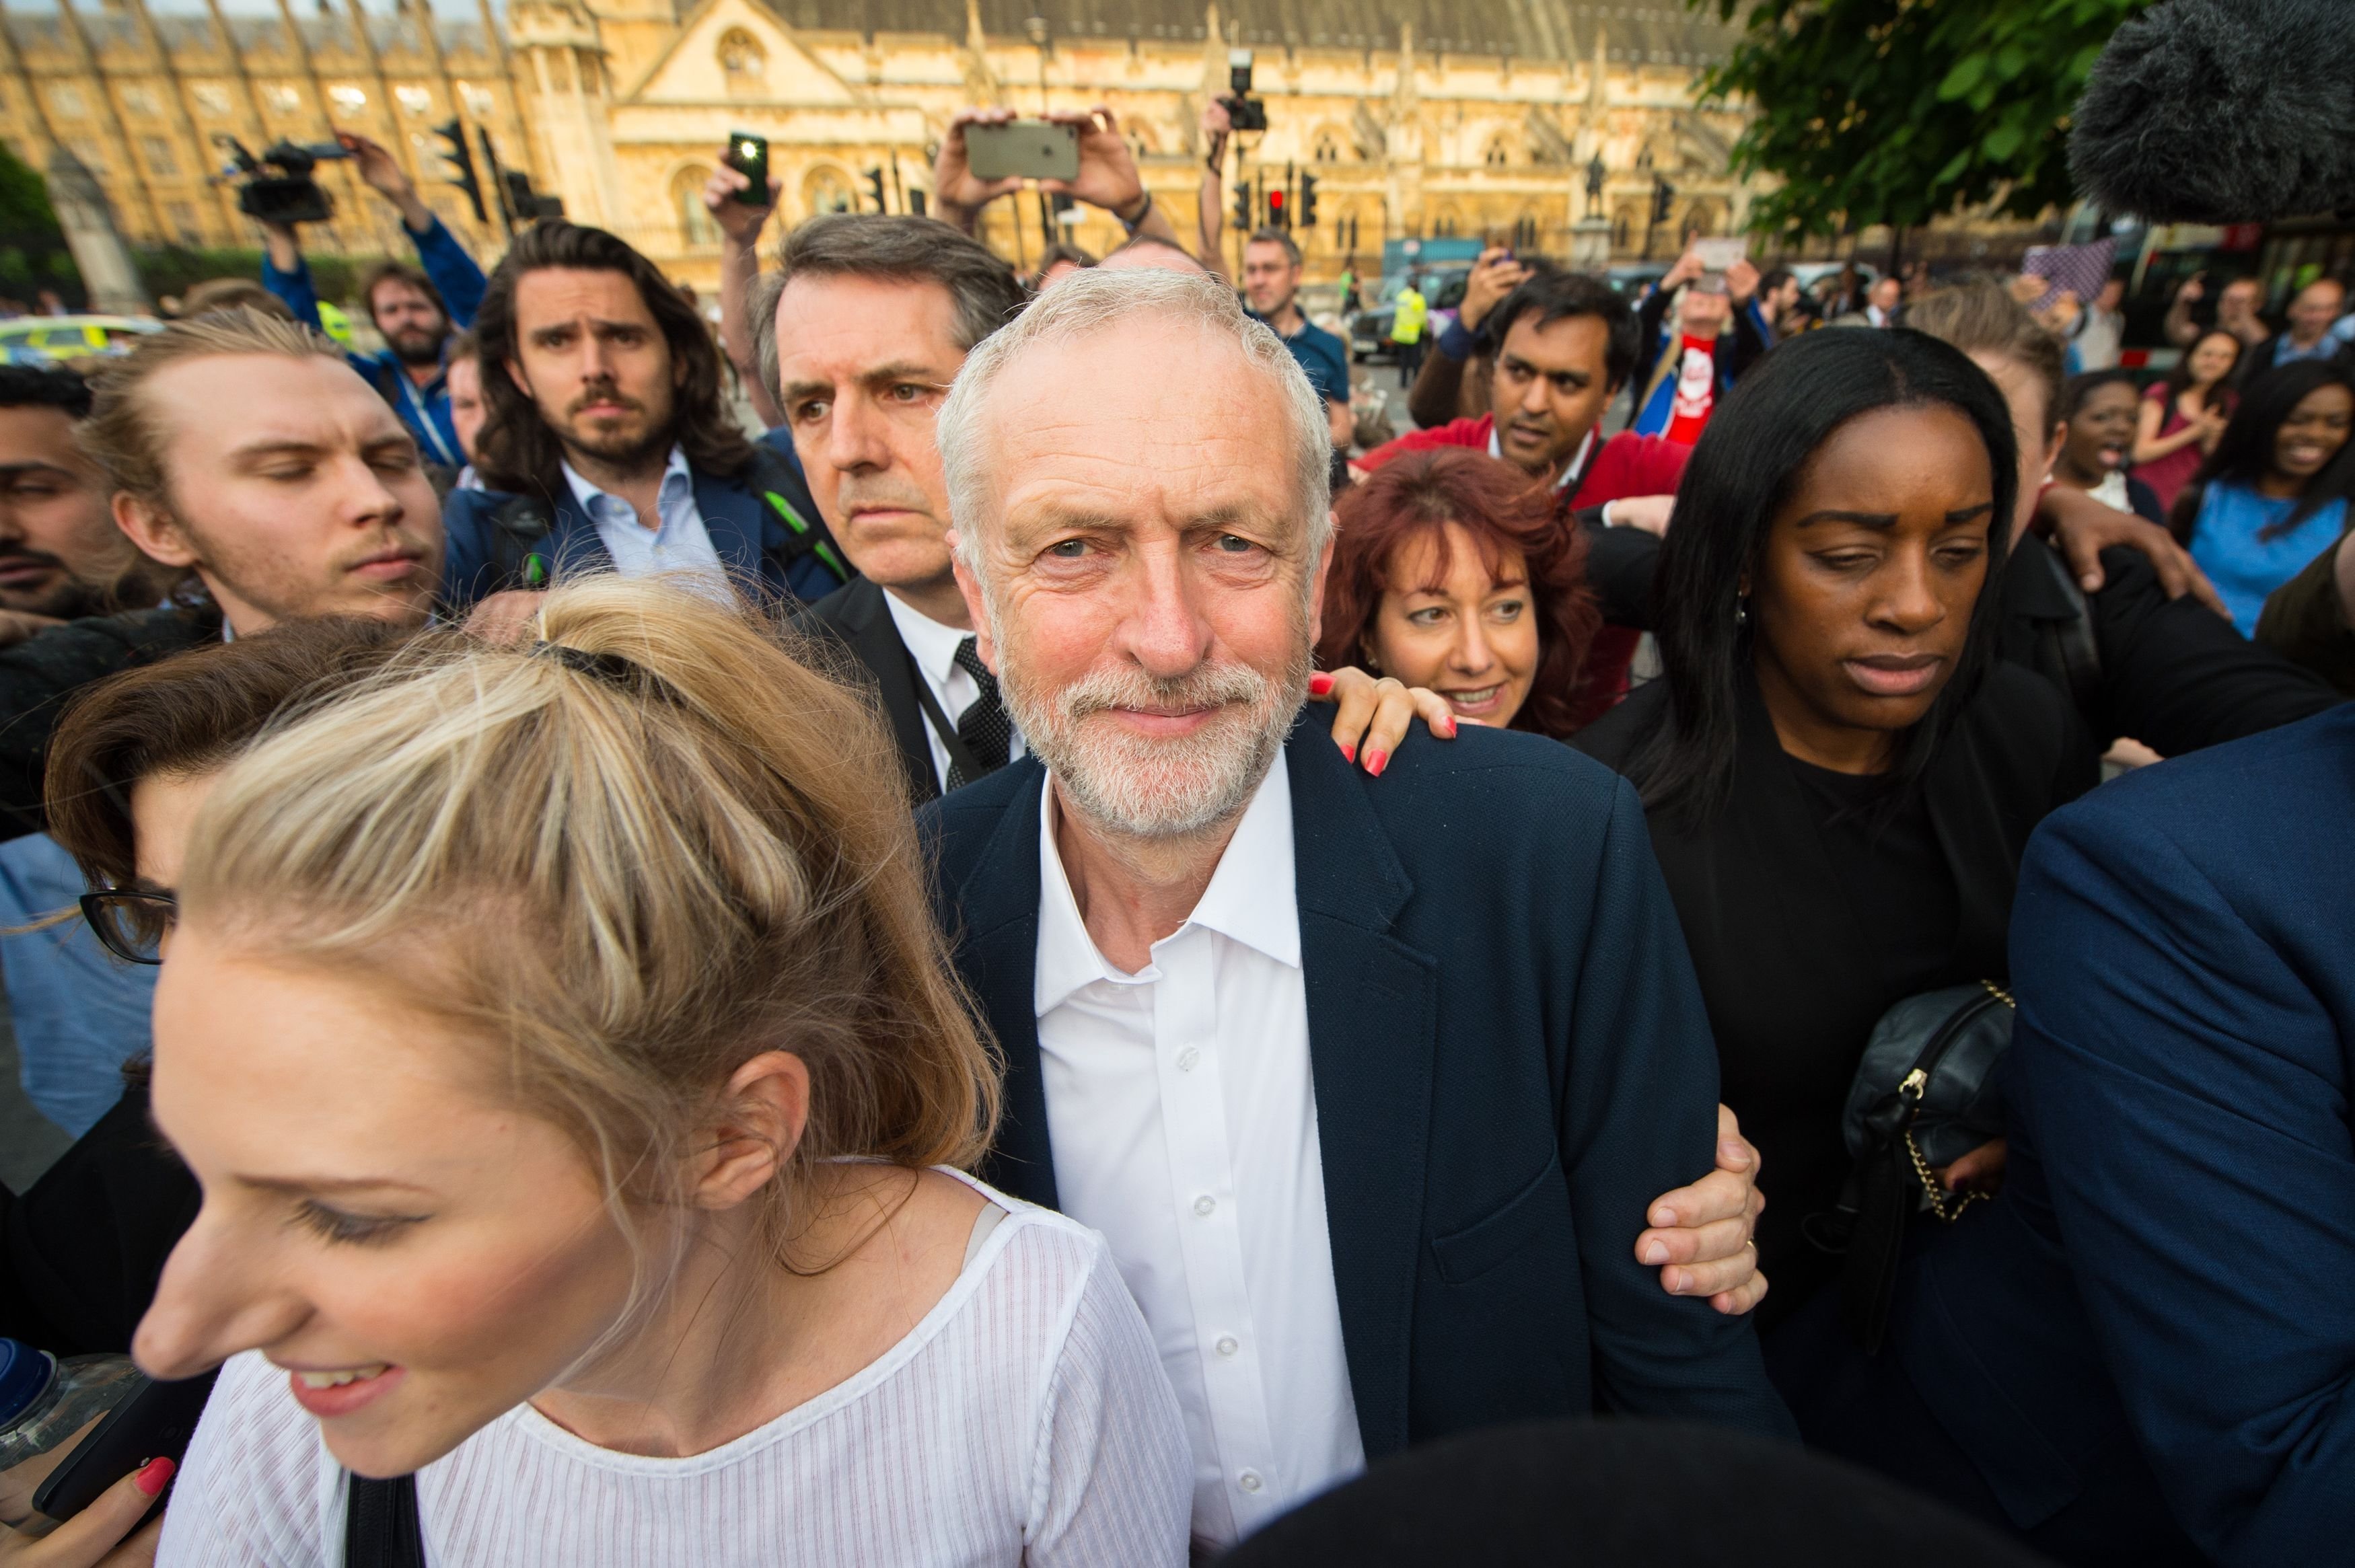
column 1477, row 118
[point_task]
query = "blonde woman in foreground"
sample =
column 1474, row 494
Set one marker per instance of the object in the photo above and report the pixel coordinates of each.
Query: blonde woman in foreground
column 577, row 1089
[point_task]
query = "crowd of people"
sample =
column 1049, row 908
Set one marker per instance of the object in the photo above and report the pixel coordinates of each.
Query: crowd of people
column 1050, row 961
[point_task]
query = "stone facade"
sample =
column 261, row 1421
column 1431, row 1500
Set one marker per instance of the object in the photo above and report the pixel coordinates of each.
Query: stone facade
column 1476, row 119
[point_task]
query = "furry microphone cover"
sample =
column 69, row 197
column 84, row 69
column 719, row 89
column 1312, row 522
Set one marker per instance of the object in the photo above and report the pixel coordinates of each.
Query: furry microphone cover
column 2222, row 112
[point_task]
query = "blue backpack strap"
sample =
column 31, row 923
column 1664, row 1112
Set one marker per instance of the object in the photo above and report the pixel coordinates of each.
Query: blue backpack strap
column 805, row 533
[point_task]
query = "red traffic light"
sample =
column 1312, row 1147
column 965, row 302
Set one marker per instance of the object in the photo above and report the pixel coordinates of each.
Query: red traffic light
column 1276, row 201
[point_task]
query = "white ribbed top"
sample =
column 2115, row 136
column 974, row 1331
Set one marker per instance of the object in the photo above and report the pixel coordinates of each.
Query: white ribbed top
column 1026, row 1420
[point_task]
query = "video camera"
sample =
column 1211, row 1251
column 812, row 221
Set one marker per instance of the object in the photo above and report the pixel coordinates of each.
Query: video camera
column 288, row 196
column 1244, row 112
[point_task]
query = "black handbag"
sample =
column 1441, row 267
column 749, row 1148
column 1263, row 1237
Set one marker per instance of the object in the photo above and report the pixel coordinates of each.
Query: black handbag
column 1925, row 1095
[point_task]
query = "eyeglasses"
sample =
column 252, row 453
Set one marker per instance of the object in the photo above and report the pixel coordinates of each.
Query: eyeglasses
column 132, row 922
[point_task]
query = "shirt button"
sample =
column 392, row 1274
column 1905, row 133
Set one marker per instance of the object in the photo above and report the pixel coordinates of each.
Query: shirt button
column 1229, row 1345
column 1187, row 1058
column 1204, row 1205
column 1249, row 1480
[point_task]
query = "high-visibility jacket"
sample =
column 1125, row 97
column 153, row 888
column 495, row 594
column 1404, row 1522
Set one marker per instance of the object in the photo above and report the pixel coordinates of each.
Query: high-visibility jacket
column 1406, row 322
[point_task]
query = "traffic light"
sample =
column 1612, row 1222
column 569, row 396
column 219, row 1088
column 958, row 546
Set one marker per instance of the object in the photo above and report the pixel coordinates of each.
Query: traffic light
column 1308, row 199
column 461, row 166
column 1663, row 196
column 1243, row 204
column 875, row 189
column 916, row 200
column 1276, row 216
column 526, row 203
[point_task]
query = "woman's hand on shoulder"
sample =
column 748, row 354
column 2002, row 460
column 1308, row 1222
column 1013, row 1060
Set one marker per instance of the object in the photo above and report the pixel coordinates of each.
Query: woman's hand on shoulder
column 106, row 1534
column 1371, row 714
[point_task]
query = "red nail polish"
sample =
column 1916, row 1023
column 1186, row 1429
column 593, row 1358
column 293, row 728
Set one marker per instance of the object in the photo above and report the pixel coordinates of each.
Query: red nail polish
column 1451, row 727
column 1349, row 751
column 1376, row 761
column 1319, row 684
column 154, row 1477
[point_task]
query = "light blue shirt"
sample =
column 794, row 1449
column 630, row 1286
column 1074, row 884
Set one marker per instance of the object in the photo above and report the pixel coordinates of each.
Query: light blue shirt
column 2245, row 567
column 681, row 545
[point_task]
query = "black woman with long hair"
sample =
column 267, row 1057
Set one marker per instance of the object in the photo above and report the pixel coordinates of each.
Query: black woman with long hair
column 1838, row 774
column 2272, row 495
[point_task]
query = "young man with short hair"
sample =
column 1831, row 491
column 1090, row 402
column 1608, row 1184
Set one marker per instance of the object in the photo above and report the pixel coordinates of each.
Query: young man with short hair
column 415, row 310
column 1272, row 263
column 239, row 451
column 607, row 445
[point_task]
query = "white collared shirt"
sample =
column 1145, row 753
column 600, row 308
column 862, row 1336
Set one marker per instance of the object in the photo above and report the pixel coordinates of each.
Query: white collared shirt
column 1569, row 471
column 681, row 545
column 1183, row 1118
column 931, row 646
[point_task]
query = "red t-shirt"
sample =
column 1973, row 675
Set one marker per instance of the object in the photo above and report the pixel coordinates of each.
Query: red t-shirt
column 1694, row 397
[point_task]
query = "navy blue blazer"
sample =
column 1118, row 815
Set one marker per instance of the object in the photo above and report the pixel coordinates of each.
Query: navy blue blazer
column 2173, row 1255
column 752, row 537
column 1510, row 1061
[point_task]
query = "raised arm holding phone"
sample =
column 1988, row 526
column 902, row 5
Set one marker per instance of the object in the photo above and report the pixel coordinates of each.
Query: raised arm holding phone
column 1107, row 176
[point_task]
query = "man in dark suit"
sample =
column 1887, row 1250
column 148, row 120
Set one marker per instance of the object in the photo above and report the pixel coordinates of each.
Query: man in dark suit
column 2154, row 1326
column 874, row 317
column 1370, row 1085
column 606, row 445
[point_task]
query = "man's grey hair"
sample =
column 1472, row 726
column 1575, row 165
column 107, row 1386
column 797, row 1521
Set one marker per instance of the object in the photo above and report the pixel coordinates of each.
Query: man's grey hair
column 1091, row 303
column 893, row 249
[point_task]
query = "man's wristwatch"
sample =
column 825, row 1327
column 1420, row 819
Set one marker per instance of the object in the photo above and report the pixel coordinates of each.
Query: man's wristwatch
column 1143, row 211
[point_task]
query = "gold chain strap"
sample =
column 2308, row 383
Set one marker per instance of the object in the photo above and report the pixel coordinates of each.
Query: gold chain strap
column 1948, row 1206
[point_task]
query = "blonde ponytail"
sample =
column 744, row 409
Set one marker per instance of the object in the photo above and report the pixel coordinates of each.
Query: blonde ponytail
column 628, row 858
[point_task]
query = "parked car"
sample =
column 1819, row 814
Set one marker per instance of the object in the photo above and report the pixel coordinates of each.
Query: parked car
column 54, row 340
column 1443, row 289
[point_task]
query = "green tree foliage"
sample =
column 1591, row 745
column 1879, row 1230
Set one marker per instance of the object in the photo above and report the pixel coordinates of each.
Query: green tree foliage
column 1895, row 111
column 25, row 211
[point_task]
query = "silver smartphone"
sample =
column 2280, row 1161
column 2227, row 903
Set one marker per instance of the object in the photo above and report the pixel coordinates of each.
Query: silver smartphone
column 1026, row 149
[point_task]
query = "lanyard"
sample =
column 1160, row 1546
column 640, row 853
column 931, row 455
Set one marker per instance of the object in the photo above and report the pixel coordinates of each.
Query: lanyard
column 960, row 755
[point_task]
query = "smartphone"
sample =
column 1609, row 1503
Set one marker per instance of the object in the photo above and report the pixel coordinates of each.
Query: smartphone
column 1716, row 255
column 1026, row 149
column 749, row 155
column 154, row 1423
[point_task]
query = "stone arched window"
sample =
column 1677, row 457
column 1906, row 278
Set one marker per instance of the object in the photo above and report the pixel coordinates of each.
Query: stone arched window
column 744, row 63
column 695, row 224
column 827, row 190
column 1498, row 154
column 1327, row 148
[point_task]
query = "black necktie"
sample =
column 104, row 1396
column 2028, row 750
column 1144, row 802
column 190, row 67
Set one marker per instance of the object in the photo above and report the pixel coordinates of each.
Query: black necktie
column 988, row 733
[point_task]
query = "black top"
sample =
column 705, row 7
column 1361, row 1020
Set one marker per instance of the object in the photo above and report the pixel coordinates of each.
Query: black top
column 38, row 675
column 2171, row 673
column 1885, row 856
column 81, row 1250
column 1808, row 919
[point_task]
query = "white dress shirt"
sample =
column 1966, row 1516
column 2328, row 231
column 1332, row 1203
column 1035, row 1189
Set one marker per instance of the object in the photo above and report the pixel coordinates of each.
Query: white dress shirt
column 1183, row 1118
column 1569, row 471
column 931, row 646
column 681, row 545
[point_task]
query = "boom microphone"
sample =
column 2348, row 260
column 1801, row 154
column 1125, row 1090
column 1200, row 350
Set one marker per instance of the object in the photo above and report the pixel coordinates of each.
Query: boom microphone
column 2222, row 112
